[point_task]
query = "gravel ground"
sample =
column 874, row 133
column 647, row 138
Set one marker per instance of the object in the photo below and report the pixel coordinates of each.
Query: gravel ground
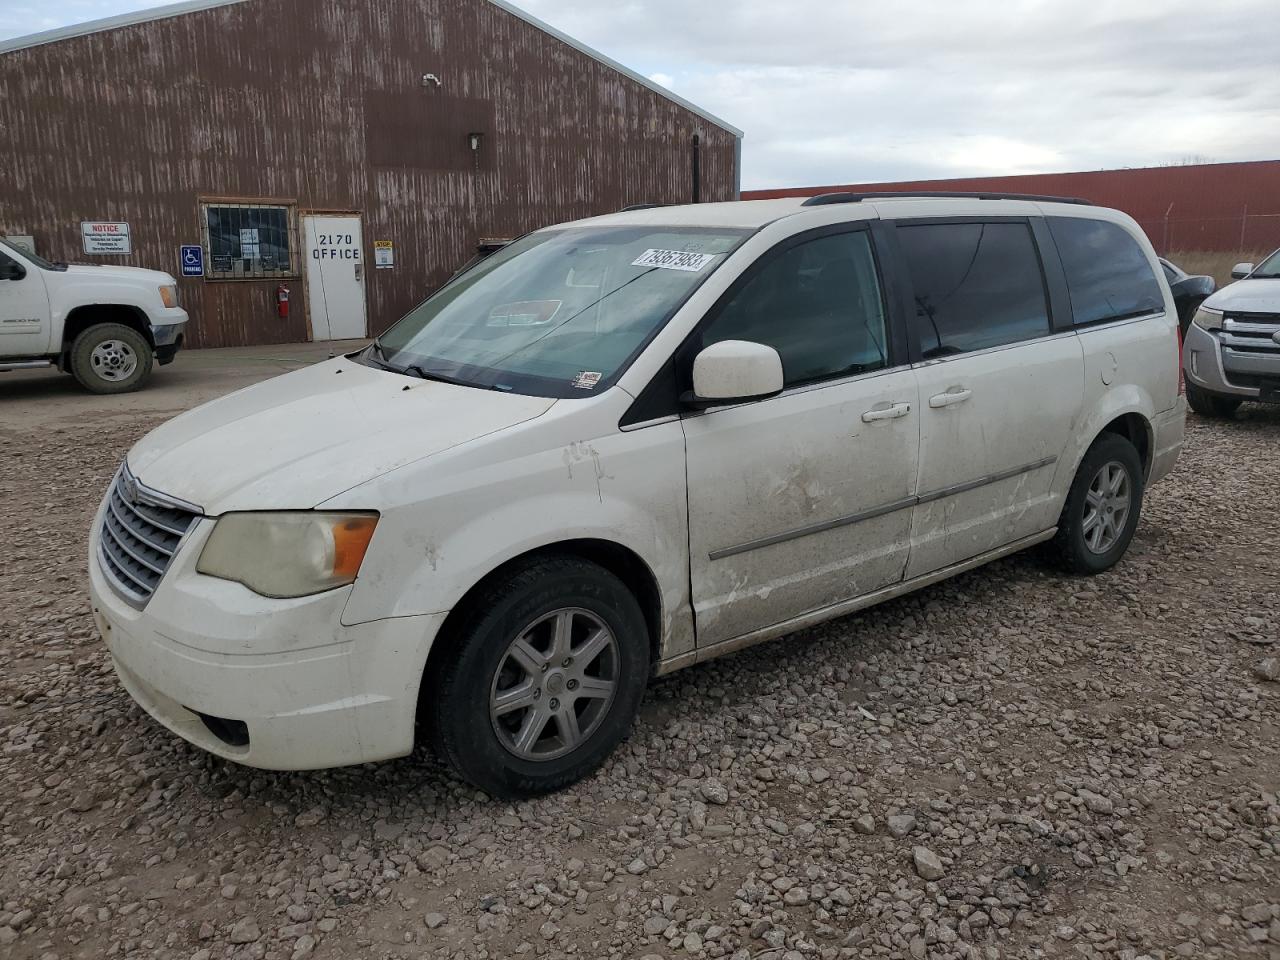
column 1011, row 764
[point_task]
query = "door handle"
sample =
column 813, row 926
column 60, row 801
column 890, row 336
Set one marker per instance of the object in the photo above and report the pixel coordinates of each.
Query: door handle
column 891, row 412
column 950, row 398
column 359, row 272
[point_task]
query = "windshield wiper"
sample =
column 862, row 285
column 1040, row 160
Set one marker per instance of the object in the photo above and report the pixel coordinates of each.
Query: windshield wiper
column 422, row 374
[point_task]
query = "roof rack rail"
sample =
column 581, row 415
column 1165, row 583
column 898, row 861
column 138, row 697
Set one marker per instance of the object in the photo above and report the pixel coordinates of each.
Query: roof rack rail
column 825, row 199
column 642, row 206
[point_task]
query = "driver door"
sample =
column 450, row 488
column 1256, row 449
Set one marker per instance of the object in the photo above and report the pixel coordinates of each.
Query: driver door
column 803, row 500
column 24, row 309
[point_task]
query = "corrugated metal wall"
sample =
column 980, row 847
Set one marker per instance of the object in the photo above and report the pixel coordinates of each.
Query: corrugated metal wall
column 1215, row 206
column 320, row 103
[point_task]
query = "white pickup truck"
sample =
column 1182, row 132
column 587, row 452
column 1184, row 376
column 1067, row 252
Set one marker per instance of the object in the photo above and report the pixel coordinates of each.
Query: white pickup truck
column 106, row 326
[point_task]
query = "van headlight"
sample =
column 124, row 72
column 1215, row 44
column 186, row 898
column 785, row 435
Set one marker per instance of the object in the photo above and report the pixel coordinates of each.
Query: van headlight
column 288, row 554
column 1207, row 318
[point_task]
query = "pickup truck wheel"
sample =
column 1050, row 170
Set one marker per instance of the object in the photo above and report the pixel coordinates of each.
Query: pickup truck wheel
column 543, row 681
column 1102, row 508
column 111, row 358
column 1211, row 404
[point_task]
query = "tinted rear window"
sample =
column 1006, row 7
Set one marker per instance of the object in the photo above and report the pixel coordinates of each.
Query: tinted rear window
column 1107, row 271
column 976, row 285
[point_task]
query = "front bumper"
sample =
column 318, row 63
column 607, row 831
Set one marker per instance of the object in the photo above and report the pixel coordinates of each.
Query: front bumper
column 1204, row 364
column 168, row 332
column 307, row 692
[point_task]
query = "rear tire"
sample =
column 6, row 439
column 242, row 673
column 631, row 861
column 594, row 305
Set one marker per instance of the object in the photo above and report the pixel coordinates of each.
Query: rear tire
column 510, row 709
column 1212, row 404
column 111, row 358
column 1103, row 507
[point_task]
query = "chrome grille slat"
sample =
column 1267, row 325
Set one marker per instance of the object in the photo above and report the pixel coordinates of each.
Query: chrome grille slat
column 122, row 538
column 115, row 512
column 160, row 522
column 139, row 535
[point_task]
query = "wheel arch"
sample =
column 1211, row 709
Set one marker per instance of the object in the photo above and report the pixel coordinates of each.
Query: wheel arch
column 623, row 562
column 1138, row 430
column 83, row 317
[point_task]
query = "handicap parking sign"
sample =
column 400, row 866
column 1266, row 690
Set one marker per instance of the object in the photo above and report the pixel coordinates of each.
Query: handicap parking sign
column 192, row 260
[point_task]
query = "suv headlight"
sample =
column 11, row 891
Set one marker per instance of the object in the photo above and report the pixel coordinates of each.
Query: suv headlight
column 169, row 296
column 288, row 554
column 1207, row 318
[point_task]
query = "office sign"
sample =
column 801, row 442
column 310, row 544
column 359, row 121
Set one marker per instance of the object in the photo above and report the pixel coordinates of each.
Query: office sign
column 105, row 238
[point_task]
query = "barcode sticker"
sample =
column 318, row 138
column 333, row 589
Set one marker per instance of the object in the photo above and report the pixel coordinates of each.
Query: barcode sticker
column 674, row 260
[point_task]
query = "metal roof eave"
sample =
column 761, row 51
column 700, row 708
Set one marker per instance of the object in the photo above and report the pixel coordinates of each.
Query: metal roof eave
column 615, row 65
column 112, row 23
column 195, row 6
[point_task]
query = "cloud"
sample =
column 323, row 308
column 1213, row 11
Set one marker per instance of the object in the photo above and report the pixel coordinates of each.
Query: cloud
column 852, row 90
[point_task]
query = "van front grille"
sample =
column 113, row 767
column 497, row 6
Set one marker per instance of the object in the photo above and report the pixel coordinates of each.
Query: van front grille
column 141, row 531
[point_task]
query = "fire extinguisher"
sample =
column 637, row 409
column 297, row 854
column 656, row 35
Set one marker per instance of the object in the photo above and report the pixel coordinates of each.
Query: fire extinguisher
column 282, row 301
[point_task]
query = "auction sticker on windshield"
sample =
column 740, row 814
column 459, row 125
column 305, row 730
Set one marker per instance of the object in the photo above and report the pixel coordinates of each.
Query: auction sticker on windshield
column 673, row 260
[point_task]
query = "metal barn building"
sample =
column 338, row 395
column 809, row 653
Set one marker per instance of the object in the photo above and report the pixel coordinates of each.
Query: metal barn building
column 355, row 152
column 1206, row 206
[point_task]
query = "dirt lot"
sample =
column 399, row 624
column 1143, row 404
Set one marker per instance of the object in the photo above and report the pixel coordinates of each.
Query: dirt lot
column 1082, row 768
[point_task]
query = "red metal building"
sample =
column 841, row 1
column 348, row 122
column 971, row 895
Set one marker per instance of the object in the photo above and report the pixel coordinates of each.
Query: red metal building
column 1210, row 206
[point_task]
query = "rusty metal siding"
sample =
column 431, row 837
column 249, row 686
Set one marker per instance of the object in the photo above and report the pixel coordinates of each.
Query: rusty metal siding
column 312, row 102
column 1214, row 206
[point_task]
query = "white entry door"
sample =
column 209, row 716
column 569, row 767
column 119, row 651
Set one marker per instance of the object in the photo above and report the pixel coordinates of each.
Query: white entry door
column 335, row 277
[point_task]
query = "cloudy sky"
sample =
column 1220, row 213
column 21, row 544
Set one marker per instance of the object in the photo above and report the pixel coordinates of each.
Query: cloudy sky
column 838, row 91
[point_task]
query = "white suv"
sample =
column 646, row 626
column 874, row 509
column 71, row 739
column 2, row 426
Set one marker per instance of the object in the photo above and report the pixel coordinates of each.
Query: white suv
column 1233, row 343
column 626, row 445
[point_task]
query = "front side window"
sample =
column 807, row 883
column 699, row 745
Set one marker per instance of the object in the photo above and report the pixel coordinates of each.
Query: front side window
column 1108, row 274
column 248, row 241
column 560, row 313
column 1268, row 269
column 976, row 285
column 818, row 304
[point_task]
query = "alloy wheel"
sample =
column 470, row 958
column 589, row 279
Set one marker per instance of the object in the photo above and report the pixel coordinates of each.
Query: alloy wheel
column 1106, row 507
column 554, row 684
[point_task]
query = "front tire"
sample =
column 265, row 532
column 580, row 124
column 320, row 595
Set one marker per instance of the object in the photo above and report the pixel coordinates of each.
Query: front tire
column 542, row 680
column 1212, row 404
column 111, row 358
column 1103, row 506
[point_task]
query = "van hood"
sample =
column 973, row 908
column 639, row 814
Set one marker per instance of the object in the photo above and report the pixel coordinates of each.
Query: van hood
column 297, row 440
column 1251, row 296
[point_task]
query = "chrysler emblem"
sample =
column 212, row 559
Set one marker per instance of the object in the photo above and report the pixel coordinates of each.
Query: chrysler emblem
column 129, row 488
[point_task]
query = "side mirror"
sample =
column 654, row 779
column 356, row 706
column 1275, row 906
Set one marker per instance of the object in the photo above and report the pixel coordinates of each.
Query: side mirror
column 734, row 371
column 1241, row 270
column 11, row 270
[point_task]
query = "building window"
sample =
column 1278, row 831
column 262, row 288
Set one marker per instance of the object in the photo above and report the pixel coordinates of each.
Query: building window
column 249, row 241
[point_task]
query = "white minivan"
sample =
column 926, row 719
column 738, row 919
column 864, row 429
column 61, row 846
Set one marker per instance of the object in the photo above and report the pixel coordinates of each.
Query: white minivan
column 627, row 445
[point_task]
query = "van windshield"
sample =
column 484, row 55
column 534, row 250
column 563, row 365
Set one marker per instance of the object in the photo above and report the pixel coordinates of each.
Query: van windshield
column 559, row 313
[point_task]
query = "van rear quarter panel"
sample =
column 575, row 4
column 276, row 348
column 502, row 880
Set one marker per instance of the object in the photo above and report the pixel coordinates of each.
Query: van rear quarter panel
column 450, row 520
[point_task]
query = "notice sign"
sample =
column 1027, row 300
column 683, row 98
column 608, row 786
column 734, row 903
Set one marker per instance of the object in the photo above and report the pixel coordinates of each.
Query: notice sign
column 384, row 254
column 249, row 243
column 105, row 239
